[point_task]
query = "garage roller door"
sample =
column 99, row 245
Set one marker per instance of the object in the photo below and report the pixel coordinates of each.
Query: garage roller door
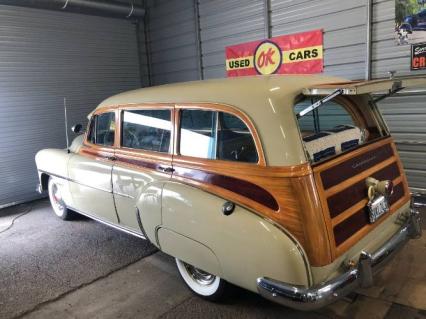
column 406, row 116
column 44, row 57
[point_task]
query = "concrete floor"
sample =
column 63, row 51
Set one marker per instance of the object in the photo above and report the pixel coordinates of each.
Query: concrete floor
column 83, row 269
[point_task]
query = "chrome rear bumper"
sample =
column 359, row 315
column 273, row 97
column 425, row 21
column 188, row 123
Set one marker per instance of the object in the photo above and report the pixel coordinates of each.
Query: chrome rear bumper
column 303, row 298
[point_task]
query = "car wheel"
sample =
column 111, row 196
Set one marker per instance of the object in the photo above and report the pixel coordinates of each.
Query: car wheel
column 202, row 283
column 57, row 202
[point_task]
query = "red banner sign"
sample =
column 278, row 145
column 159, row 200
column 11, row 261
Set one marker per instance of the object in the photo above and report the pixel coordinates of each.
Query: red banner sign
column 300, row 53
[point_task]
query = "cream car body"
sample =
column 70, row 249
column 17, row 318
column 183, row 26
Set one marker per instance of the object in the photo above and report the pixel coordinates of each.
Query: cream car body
column 178, row 202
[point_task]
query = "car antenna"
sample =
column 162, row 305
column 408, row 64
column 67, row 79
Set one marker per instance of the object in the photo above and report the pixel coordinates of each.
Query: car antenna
column 66, row 124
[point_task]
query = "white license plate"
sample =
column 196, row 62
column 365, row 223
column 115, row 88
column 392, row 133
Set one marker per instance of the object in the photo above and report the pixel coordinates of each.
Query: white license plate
column 377, row 207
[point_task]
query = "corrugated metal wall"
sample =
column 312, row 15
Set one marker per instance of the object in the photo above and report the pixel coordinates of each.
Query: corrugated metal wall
column 405, row 114
column 344, row 25
column 45, row 56
column 172, row 41
column 224, row 23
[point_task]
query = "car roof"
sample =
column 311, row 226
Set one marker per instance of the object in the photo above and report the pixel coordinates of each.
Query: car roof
column 267, row 100
column 236, row 91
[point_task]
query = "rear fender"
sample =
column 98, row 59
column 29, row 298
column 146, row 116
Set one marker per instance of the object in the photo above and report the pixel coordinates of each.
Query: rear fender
column 246, row 246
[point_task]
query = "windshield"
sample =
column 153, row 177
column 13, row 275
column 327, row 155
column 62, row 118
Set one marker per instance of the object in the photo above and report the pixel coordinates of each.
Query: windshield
column 339, row 125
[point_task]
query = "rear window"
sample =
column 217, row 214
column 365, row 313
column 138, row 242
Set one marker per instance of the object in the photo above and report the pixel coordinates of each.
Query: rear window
column 335, row 127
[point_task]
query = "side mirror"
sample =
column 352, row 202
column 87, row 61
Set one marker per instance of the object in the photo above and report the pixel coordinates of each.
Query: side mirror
column 77, row 128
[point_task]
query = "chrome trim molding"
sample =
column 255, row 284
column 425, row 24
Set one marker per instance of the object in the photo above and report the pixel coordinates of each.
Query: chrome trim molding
column 108, row 223
column 74, row 181
column 318, row 296
column 122, row 195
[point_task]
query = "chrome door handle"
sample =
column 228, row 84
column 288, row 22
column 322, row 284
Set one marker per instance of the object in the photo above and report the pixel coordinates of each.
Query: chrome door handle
column 166, row 169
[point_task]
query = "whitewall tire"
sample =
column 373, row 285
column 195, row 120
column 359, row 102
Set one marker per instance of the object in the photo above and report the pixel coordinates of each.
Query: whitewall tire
column 201, row 283
column 58, row 205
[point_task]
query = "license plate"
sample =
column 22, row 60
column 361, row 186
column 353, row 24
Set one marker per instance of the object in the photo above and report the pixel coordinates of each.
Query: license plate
column 377, row 207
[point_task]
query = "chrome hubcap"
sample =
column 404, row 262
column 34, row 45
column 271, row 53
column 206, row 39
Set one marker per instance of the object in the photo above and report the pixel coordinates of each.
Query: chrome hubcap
column 201, row 277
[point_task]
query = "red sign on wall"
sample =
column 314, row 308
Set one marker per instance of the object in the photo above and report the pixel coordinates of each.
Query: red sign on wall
column 300, row 53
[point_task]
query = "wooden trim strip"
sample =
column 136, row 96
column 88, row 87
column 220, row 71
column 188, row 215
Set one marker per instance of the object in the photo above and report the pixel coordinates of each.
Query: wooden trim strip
column 341, row 201
column 350, row 226
column 369, row 227
column 358, row 164
column 235, row 185
column 339, row 187
column 136, row 162
column 359, row 205
column 97, row 153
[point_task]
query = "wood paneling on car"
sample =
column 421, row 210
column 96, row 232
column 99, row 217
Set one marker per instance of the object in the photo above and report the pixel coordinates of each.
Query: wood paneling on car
column 343, row 192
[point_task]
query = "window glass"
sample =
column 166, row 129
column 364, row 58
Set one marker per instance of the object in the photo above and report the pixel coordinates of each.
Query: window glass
column 147, row 130
column 326, row 117
column 235, row 142
column 328, row 130
column 91, row 134
column 102, row 129
column 216, row 135
column 105, row 129
column 198, row 133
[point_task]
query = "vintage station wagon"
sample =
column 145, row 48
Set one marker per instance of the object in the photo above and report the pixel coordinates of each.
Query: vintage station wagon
column 289, row 186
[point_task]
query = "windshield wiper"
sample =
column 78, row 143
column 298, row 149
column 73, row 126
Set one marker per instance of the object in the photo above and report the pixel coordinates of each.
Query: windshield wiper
column 319, row 103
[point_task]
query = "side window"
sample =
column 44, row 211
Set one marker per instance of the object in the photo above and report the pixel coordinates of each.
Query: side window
column 91, row 134
column 198, row 133
column 102, row 129
column 216, row 135
column 147, row 130
column 235, row 142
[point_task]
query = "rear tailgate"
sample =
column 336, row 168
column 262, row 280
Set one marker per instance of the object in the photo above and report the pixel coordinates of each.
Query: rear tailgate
column 363, row 87
column 343, row 191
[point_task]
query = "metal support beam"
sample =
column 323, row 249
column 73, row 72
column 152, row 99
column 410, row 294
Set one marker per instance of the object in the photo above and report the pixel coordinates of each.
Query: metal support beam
column 267, row 18
column 198, row 40
column 368, row 55
column 147, row 45
column 113, row 9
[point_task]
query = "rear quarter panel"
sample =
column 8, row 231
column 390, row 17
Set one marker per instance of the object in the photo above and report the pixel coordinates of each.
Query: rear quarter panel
column 245, row 245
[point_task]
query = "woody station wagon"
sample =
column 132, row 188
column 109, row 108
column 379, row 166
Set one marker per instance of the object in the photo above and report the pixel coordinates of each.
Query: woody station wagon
column 289, row 186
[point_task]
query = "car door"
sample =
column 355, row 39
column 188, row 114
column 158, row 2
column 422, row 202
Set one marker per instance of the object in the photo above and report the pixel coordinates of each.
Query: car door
column 144, row 163
column 90, row 170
